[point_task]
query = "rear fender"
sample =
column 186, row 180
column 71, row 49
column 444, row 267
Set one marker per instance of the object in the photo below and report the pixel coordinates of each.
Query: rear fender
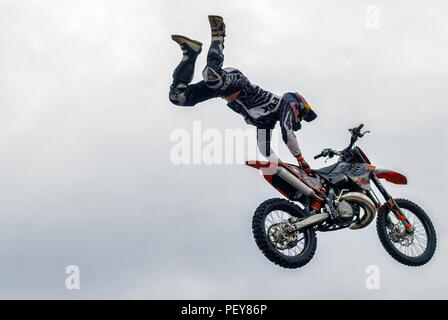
column 268, row 168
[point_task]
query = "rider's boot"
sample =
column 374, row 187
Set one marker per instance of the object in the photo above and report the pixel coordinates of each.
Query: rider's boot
column 183, row 74
column 218, row 29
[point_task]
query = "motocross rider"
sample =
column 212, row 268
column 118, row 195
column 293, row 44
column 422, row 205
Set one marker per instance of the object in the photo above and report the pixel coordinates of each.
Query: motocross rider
column 259, row 107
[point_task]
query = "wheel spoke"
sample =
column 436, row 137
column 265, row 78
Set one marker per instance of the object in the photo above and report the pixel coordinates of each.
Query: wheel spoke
column 413, row 245
column 276, row 217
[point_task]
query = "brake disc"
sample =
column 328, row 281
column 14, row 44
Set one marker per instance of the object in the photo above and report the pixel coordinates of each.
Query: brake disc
column 280, row 238
column 398, row 234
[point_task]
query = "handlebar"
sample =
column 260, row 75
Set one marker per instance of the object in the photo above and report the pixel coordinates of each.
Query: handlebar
column 357, row 130
column 356, row 133
column 328, row 152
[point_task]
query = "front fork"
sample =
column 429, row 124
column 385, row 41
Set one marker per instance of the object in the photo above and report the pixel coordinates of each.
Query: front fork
column 392, row 205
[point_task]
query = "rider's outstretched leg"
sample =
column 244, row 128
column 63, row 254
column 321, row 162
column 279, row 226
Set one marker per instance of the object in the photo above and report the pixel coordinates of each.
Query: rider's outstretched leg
column 182, row 93
column 183, row 74
column 215, row 57
column 218, row 29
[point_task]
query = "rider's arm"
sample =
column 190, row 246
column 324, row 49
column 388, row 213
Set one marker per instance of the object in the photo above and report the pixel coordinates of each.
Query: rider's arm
column 288, row 136
column 291, row 142
column 290, row 139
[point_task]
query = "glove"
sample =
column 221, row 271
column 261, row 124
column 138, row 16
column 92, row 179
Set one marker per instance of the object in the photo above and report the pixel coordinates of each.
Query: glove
column 304, row 165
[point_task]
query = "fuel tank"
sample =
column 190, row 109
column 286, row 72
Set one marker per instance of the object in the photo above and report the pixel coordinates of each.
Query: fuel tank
column 342, row 172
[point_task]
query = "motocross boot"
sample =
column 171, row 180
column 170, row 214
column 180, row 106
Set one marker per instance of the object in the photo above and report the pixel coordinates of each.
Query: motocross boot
column 183, row 74
column 218, row 29
column 190, row 48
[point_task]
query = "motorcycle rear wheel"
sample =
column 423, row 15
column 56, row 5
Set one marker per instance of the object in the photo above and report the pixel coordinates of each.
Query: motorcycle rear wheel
column 424, row 234
column 292, row 258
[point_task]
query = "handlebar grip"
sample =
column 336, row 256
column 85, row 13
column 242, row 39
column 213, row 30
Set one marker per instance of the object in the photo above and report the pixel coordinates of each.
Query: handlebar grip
column 318, row 156
column 358, row 129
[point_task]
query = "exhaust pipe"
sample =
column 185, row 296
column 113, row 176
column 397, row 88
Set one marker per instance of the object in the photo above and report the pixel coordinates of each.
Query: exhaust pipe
column 368, row 206
column 294, row 181
column 357, row 197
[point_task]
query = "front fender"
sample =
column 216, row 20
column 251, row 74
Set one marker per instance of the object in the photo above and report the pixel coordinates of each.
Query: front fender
column 391, row 176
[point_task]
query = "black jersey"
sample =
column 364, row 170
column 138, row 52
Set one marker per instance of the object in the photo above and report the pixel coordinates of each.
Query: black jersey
column 259, row 107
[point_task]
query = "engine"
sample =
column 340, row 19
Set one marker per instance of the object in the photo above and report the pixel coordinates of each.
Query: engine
column 345, row 210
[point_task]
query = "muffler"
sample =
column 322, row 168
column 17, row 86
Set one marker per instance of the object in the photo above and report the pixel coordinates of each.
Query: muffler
column 294, row 181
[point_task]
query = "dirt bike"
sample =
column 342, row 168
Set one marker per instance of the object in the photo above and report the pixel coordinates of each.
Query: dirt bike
column 336, row 197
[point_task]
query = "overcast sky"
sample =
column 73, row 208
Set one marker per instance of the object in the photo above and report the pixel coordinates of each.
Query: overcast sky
column 85, row 126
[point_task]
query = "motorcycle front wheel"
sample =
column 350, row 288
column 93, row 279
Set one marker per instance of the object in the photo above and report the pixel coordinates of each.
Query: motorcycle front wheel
column 411, row 249
column 269, row 226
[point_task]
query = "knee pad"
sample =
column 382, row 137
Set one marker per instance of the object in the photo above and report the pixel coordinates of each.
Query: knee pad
column 212, row 78
column 177, row 97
